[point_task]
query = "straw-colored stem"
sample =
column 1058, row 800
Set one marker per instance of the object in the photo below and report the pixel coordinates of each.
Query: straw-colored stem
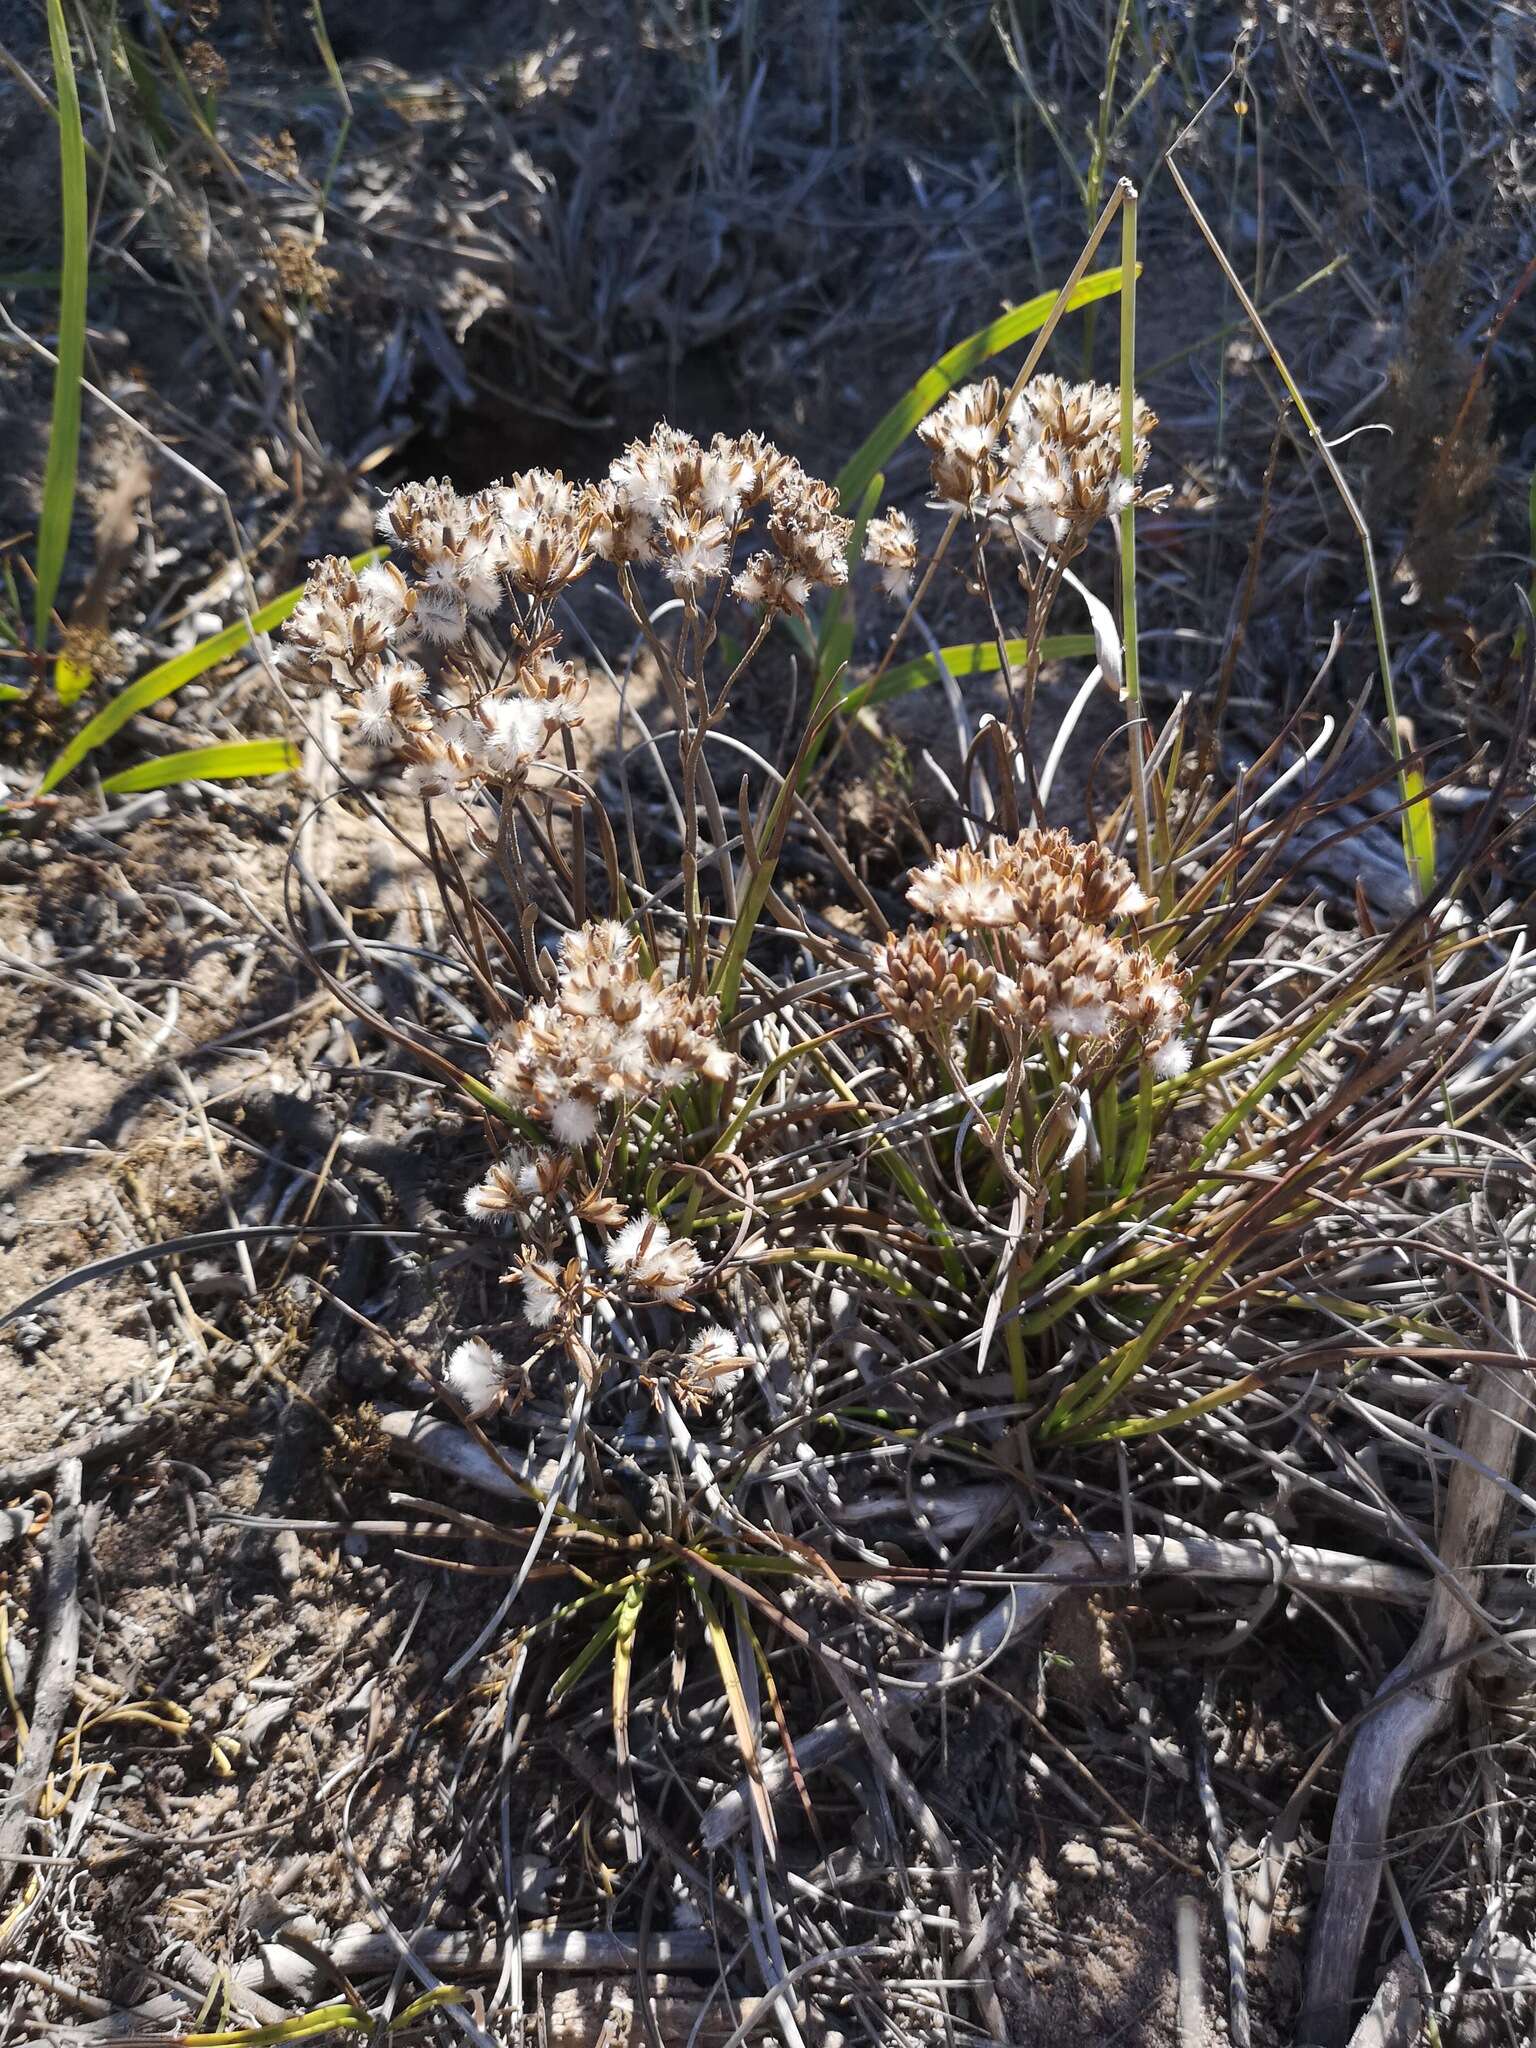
column 1131, row 655
column 1350, row 504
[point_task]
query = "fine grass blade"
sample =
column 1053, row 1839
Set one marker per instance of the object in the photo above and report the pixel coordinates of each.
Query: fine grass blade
column 976, row 658
column 64, row 430
column 586, row 1656
column 741, row 1717
column 623, row 1664
column 207, row 764
column 170, row 676
column 1419, row 830
column 950, row 368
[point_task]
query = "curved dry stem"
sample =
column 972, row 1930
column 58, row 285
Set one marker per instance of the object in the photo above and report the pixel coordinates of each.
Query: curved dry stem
column 1498, row 1413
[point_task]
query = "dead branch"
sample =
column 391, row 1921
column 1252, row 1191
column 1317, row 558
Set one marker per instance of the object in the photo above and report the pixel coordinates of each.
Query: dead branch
column 1421, row 1695
column 1092, row 1557
column 56, row 1670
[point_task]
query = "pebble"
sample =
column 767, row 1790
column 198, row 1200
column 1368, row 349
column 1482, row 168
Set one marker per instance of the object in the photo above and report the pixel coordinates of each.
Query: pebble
column 288, row 1558
column 1080, row 1860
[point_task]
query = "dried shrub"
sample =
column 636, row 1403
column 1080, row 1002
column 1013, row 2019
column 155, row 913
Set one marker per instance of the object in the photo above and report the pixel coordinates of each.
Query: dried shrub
column 1431, row 481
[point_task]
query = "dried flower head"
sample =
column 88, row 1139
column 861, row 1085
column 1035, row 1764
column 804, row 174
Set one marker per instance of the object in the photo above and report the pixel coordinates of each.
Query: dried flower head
column 559, row 686
column 477, row 1377
column 553, row 1296
column 391, row 709
column 344, row 624
column 890, row 545
column 622, row 531
column 1080, row 981
column 1049, row 900
column 208, row 72
column 962, row 436
column 647, row 1256
column 964, row 889
column 1039, row 879
column 1052, row 460
column 520, row 1181
column 713, row 1364
column 546, row 531
column 612, row 1033
column 696, row 550
column 927, row 985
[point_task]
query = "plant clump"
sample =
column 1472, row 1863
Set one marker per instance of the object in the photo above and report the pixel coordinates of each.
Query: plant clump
column 777, row 1198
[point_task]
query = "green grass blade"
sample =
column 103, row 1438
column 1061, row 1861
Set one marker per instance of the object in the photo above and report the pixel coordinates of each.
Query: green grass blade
column 171, row 675
column 976, row 658
column 623, row 1666
column 207, row 764
column 948, row 371
column 741, row 1717
column 586, row 1656
column 1419, row 829
column 64, row 430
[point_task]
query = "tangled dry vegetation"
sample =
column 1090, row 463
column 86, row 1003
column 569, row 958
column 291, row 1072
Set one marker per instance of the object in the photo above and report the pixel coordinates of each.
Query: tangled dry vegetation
column 856, row 1374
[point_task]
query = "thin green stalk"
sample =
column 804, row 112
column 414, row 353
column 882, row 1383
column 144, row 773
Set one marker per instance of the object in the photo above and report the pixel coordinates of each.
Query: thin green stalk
column 1414, row 827
column 339, row 87
column 1130, row 202
column 1141, row 1137
column 64, row 430
column 1094, row 183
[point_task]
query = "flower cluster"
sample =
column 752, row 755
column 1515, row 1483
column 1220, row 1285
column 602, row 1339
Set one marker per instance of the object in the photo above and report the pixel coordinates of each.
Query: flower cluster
column 1042, row 878
column 520, row 1184
column 1051, row 459
column 353, row 632
column 673, row 502
column 1046, row 901
column 1081, row 982
column 613, row 1032
column 531, row 535
column 713, row 1364
column 554, row 1296
column 366, row 633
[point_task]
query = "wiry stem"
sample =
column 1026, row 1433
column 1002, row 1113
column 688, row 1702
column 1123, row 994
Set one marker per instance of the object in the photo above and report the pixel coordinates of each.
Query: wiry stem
column 1130, row 647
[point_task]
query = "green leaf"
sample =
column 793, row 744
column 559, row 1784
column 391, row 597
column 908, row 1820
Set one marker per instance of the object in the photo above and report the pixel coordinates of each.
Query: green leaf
column 834, row 642
column 1419, row 829
column 207, row 764
column 977, row 658
column 64, row 429
column 171, row 675
column 951, row 367
column 9, row 694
